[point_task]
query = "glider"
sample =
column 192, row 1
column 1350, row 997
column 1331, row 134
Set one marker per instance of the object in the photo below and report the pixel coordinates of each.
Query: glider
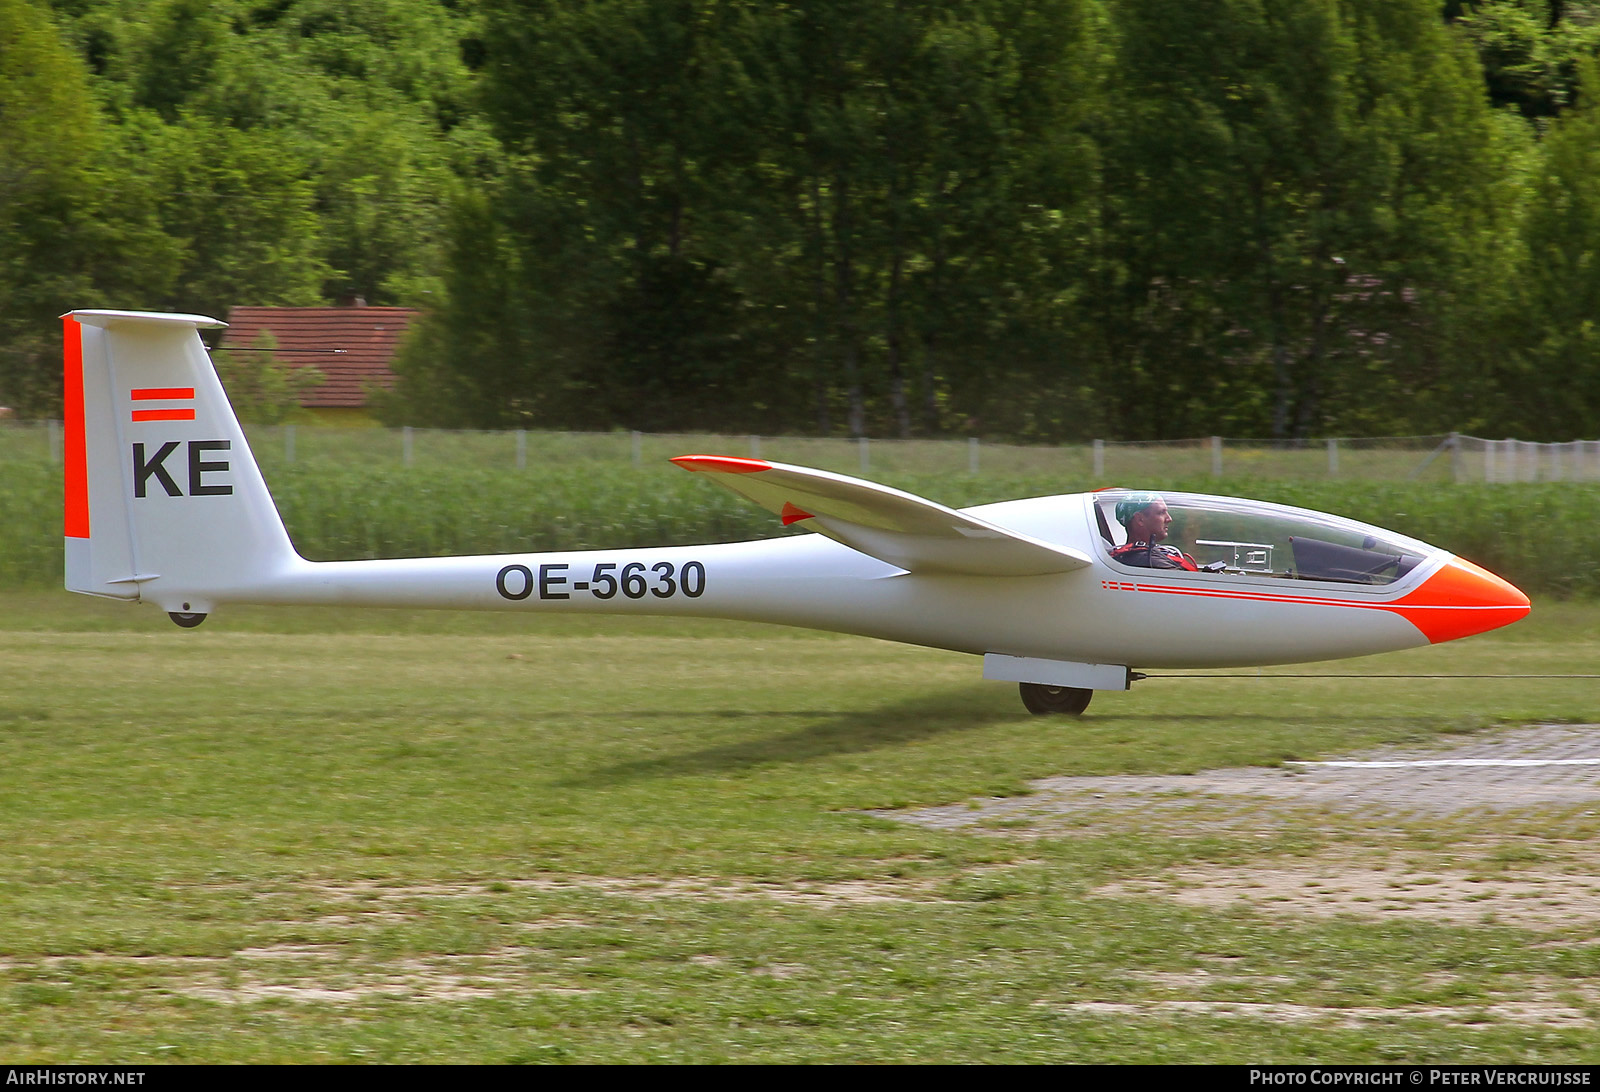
column 164, row 504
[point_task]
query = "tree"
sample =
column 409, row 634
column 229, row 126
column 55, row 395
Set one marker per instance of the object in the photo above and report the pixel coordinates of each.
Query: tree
column 1301, row 195
column 364, row 111
column 75, row 226
column 1530, row 50
column 1551, row 376
column 743, row 215
column 917, row 172
column 613, row 307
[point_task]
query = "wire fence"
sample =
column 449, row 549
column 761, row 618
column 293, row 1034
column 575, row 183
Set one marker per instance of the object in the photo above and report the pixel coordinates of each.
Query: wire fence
column 1449, row 457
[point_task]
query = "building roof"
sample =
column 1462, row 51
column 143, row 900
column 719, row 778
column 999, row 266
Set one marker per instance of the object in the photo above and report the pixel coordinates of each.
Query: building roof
column 369, row 337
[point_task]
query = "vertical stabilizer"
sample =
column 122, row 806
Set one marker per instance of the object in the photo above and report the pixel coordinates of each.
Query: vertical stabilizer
column 164, row 502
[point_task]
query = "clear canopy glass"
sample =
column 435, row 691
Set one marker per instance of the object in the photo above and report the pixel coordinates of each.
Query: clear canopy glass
column 1226, row 535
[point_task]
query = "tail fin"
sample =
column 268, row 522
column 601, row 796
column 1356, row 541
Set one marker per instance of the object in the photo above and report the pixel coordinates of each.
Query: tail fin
column 164, row 501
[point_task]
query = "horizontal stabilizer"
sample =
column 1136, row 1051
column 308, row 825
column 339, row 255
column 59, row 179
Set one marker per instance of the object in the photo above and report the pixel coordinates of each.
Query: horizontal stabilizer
column 888, row 524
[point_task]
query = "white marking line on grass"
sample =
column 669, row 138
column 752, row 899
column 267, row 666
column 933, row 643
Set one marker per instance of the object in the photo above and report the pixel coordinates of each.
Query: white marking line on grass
column 1395, row 764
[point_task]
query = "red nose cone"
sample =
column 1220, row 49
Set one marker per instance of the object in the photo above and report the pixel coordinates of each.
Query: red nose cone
column 1459, row 600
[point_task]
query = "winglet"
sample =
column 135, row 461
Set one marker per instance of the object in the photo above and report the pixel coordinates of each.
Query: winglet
column 723, row 464
column 790, row 514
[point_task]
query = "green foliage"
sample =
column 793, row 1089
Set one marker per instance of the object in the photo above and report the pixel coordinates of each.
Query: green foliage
column 263, row 389
column 1116, row 218
column 1555, row 359
column 740, row 215
column 240, row 208
column 1304, row 198
column 70, row 234
column 30, row 522
column 237, row 153
column 1530, row 50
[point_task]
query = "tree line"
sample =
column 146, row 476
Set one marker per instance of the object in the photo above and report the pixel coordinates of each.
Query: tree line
column 1043, row 219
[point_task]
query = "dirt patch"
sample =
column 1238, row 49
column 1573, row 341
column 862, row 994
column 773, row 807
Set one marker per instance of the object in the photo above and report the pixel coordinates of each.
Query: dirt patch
column 1321, row 888
column 321, row 973
column 838, row 893
column 337, row 973
column 1486, row 1016
column 1542, row 1002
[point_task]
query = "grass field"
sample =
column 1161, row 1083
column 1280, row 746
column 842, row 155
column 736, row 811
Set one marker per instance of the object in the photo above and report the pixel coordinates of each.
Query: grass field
column 371, row 836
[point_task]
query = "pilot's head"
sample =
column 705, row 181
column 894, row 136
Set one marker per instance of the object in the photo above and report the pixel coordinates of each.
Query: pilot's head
column 1145, row 516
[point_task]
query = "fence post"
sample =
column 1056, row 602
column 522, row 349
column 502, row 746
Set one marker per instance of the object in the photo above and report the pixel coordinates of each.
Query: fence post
column 972, row 454
column 1455, row 457
column 1555, row 461
column 1099, row 458
column 288, row 445
column 755, row 447
column 405, row 444
column 866, row 460
column 522, row 449
column 638, row 448
column 1333, row 456
column 1216, row 456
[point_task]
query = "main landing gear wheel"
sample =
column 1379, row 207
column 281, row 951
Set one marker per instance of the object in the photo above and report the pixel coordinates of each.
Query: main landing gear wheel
column 185, row 619
column 1054, row 699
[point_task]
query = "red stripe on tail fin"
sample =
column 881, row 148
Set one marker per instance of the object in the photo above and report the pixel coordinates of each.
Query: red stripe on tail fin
column 75, row 454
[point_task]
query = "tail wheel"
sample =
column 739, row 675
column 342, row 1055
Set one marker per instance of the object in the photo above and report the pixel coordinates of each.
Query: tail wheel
column 1068, row 700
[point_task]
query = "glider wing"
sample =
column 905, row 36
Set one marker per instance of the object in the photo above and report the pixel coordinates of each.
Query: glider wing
column 888, row 524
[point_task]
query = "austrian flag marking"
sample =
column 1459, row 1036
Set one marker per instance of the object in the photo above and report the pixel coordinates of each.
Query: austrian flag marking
column 168, row 412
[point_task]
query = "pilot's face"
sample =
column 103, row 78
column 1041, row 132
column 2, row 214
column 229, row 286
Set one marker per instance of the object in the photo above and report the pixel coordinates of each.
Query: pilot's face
column 1151, row 523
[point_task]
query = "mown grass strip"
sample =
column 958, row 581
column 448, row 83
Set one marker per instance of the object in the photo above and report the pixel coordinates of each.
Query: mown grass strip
column 303, row 835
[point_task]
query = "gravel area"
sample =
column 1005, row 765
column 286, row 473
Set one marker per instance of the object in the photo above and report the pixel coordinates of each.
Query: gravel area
column 1541, row 764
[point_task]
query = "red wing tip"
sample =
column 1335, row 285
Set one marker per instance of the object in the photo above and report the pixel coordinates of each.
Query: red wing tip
column 723, row 464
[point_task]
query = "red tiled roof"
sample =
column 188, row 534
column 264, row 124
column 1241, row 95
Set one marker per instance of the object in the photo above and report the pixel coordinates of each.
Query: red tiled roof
column 368, row 336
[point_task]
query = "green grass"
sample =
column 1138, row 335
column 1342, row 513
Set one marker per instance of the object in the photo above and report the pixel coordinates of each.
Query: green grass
column 409, row 836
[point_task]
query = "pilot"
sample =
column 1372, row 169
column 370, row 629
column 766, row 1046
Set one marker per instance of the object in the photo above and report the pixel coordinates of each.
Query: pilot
column 1146, row 517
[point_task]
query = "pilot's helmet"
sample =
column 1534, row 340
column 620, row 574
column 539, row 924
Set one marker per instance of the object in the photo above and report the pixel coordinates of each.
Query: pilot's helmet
column 1134, row 503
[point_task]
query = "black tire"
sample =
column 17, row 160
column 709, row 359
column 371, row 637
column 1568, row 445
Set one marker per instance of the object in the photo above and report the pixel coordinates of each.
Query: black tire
column 187, row 621
column 1067, row 700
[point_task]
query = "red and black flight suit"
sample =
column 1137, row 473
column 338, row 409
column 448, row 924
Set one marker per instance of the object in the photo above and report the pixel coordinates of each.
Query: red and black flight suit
column 1146, row 556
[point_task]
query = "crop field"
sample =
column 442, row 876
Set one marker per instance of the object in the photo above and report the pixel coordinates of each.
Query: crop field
column 403, row 836
column 1382, row 459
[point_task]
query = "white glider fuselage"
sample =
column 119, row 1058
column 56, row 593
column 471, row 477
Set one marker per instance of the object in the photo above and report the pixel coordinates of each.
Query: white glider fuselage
column 165, row 504
column 813, row 582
